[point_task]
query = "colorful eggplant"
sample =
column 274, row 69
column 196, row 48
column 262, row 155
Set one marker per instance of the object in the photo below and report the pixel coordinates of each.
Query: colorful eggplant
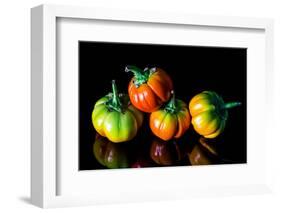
column 149, row 88
column 209, row 113
column 115, row 117
column 171, row 121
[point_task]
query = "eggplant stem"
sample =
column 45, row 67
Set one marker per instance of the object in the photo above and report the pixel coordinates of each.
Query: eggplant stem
column 141, row 76
column 115, row 99
column 231, row 105
column 137, row 71
column 171, row 106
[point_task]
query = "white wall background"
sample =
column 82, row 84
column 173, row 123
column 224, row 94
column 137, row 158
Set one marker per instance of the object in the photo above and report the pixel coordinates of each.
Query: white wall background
column 15, row 105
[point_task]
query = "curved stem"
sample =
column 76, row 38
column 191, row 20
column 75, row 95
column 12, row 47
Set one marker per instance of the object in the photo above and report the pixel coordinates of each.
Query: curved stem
column 231, row 105
column 115, row 100
column 137, row 71
column 141, row 76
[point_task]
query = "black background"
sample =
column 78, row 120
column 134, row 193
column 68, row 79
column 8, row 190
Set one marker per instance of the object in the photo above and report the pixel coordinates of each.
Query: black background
column 193, row 69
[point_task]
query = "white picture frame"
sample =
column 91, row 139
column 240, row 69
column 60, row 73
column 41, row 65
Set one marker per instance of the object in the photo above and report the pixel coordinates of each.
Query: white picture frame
column 44, row 150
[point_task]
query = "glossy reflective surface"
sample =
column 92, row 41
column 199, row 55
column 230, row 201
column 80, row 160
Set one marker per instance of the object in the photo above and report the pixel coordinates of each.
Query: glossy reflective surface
column 190, row 150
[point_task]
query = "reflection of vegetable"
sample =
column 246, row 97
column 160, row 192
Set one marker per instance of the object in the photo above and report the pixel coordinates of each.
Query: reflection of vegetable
column 165, row 153
column 216, row 152
column 209, row 113
column 207, row 144
column 204, row 153
column 171, row 121
column 115, row 118
column 110, row 154
column 149, row 88
column 199, row 157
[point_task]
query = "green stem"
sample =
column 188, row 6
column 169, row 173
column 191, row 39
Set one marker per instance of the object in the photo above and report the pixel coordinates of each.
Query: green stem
column 171, row 106
column 137, row 71
column 116, row 104
column 141, row 76
column 231, row 105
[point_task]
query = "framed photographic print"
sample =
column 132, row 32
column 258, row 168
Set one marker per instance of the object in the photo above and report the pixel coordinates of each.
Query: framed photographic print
column 134, row 105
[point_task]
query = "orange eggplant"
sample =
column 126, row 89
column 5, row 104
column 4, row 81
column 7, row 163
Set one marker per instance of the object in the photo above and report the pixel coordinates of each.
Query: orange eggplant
column 149, row 88
column 209, row 113
column 171, row 121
